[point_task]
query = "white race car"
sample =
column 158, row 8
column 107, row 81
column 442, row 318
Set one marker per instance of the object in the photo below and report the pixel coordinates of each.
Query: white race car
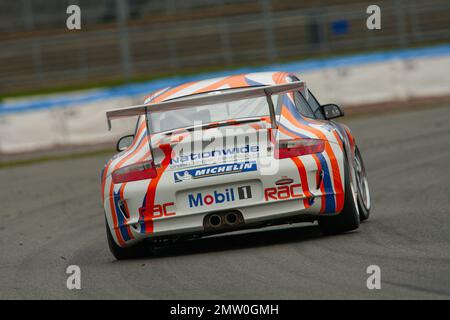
column 232, row 153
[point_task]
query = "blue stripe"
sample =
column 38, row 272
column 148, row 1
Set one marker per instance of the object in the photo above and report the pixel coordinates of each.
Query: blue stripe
column 148, row 87
column 330, row 201
column 120, row 218
column 141, row 218
column 253, row 83
column 292, row 108
column 297, row 134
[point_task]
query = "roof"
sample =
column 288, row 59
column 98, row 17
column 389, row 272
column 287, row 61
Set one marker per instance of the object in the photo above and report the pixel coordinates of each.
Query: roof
column 234, row 81
column 200, row 100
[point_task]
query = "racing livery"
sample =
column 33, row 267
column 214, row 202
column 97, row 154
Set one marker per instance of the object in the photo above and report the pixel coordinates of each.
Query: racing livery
column 231, row 153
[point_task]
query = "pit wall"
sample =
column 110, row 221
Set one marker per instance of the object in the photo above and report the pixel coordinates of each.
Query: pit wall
column 74, row 119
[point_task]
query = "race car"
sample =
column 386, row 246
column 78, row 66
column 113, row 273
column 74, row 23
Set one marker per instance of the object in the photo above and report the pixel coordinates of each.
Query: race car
column 226, row 154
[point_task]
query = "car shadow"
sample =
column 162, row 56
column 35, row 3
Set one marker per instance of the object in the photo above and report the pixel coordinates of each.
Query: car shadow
column 238, row 241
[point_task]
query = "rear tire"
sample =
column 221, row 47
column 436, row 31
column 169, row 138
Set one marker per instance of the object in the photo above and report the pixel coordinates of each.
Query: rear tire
column 363, row 187
column 348, row 219
column 137, row 251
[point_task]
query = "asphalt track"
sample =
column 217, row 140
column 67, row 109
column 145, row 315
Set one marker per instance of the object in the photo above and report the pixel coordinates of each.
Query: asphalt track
column 50, row 217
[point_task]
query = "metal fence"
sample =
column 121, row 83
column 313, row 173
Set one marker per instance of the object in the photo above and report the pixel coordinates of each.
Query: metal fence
column 137, row 39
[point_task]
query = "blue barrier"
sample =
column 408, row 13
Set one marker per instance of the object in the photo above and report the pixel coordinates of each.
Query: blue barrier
column 147, row 87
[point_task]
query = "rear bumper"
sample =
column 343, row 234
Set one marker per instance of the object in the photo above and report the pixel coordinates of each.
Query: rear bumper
column 253, row 215
column 180, row 207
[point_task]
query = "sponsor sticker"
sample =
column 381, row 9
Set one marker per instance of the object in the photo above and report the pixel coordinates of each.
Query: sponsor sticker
column 228, row 195
column 283, row 192
column 216, row 170
column 160, row 210
column 224, row 153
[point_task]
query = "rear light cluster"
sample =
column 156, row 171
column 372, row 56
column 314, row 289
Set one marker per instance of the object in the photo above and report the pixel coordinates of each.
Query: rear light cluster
column 134, row 172
column 298, row 147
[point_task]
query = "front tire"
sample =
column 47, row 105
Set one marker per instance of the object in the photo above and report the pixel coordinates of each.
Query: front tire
column 137, row 251
column 349, row 218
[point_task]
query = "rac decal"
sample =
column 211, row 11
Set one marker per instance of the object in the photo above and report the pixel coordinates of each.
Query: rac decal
column 160, row 210
column 283, row 192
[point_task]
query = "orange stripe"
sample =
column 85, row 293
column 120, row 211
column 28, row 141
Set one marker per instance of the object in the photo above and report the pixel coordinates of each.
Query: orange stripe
column 280, row 77
column 111, row 189
column 132, row 154
column 338, row 140
column 151, row 191
column 171, row 92
column 256, row 126
column 322, row 186
column 333, row 161
column 113, row 213
column 232, row 81
column 304, row 180
column 154, row 93
column 122, row 188
column 350, row 137
column 319, row 167
column 237, row 81
column 105, row 171
column 136, row 139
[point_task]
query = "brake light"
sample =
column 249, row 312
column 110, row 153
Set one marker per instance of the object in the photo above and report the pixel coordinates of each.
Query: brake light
column 298, row 147
column 135, row 172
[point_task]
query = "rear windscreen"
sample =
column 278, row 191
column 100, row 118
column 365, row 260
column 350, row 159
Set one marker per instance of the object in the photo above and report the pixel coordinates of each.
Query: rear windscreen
column 202, row 115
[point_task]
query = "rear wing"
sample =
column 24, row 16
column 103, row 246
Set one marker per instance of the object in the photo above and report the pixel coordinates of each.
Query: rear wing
column 214, row 97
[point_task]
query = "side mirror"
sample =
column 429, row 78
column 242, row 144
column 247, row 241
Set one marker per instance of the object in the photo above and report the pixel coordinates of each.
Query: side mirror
column 125, row 142
column 332, row 111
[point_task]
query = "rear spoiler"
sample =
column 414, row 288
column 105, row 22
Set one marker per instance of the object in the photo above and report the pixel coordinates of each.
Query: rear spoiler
column 214, row 97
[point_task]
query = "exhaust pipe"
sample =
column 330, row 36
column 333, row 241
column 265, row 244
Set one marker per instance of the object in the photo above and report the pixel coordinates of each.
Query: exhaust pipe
column 231, row 219
column 215, row 220
column 223, row 220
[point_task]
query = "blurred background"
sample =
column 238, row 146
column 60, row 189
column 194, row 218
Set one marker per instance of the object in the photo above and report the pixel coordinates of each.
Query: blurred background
column 56, row 84
column 59, row 82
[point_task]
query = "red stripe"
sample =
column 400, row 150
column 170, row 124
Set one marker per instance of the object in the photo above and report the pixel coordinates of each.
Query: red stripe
column 114, row 216
column 304, row 180
column 151, row 191
column 122, row 188
column 338, row 140
column 339, row 191
column 171, row 92
column 319, row 167
column 111, row 189
column 105, row 172
column 322, row 186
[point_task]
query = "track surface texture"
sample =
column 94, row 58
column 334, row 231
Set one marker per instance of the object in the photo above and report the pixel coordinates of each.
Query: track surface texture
column 50, row 218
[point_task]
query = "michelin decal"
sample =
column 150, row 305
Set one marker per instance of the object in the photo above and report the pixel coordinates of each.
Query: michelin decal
column 216, row 170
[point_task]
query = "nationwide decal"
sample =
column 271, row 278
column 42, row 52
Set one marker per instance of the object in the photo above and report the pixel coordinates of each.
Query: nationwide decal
column 229, row 195
column 216, row 170
column 227, row 152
